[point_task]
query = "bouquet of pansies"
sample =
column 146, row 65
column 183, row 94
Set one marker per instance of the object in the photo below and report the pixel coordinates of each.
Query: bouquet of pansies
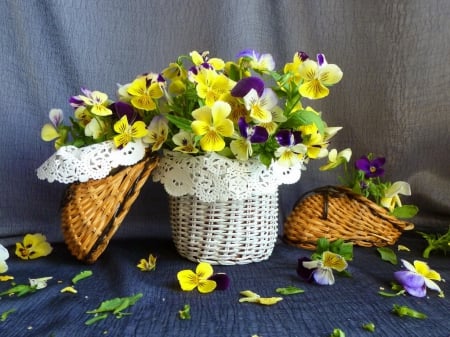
column 238, row 109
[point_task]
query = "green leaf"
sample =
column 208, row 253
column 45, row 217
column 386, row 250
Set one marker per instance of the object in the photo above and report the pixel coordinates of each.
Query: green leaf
column 96, row 318
column 403, row 310
column 20, row 290
column 386, row 294
column 369, row 327
column 5, row 314
column 387, row 254
column 185, row 313
column 290, row 290
column 180, row 122
column 115, row 304
column 304, row 117
column 405, row 211
column 81, row 276
column 337, row 333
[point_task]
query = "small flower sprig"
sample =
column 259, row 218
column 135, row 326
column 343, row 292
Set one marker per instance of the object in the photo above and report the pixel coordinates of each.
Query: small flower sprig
column 327, row 257
column 365, row 179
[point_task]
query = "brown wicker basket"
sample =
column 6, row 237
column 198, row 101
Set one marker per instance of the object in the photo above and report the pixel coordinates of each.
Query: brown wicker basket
column 333, row 213
column 93, row 211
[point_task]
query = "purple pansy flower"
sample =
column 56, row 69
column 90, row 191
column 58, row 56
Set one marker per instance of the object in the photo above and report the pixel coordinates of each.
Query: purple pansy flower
column 255, row 134
column 246, row 84
column 288, row 138
column 121, row 109
column 222, row 280
column 305, row 273
column 417, row 278
column 371, row 168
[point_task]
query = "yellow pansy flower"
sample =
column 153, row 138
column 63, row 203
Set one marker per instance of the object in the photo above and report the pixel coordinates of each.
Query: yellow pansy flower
column 98, row 101
column 147, row 264
column 184, row 142
column 317, row 77
column 157, row 132
column 127, row 133
column 33, row 247
column 143, row 92
column 212, row 124
column 210, row 85
column 200, row 279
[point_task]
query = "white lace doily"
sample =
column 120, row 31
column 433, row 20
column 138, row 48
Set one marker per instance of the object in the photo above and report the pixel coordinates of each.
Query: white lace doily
column 70, row 164
column 214, row 178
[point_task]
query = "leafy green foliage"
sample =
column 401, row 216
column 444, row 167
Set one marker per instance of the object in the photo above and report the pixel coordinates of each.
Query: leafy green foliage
column 403, row 310
column 81, row 276
column 115, row 306
column 337, row 333
column 5, row 314
column 20, row 290
column 387, row 254
column 185, row 313
column 344, row 249
column 405, row 211
column 290, row 290
column 369, row 327
column 436, row 242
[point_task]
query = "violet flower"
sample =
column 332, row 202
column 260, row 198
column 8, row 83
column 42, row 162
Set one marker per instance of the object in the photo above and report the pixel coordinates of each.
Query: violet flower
column 246, row 84
column 417, row 278
column 255, row 134
column 371, row 168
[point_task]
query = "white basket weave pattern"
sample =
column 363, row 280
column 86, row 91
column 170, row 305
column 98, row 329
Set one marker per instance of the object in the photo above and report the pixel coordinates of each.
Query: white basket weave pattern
column 225, row 232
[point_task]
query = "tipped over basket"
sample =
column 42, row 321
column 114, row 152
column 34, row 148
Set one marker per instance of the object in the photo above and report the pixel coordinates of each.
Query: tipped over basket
column 92, row 211
column 334, row 212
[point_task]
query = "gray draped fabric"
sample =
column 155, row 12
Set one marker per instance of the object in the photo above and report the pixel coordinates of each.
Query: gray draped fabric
column 394, row 99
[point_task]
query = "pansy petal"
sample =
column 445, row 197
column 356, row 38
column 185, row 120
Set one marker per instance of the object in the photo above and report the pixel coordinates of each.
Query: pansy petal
column 324, row 276
column 334, row 261
column 49, row 133
column 304, row 272
column 408, row 265
column 410, row 279
column 260, row 135
column 4, row 253
column 3, row 266
column 432, row 285
column 204, row 270
column 330, row 74
column 243, row 87
column 188, row 280
column 206, row 286
column 417, row 292
column 222, row 280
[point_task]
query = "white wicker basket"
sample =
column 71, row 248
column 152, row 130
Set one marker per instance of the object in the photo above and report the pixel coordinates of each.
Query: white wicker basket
column 225, row 232
column 222, row 211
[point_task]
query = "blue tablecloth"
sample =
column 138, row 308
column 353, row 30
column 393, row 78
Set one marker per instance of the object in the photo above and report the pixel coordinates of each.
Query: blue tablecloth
column 348, row 304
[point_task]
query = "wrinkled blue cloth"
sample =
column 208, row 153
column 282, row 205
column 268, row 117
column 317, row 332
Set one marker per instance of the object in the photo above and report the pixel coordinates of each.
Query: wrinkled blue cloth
column 348, row 304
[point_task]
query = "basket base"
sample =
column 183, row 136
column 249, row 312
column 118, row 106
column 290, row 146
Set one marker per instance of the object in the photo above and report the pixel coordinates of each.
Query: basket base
column 225, row 233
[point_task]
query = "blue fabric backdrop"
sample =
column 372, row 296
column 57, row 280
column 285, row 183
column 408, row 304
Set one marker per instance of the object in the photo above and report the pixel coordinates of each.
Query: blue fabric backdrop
column 393, row 99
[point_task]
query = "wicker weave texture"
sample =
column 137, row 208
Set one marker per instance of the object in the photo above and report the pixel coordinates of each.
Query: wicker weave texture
column 93, row 211
column 338, row 213
column 226, row 233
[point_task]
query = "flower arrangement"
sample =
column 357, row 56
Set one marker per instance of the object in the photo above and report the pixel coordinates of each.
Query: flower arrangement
column 200, row 104
column 365, row 178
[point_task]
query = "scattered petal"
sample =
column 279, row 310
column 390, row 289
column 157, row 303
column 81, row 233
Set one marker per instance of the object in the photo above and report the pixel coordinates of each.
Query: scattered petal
column 69, row 289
